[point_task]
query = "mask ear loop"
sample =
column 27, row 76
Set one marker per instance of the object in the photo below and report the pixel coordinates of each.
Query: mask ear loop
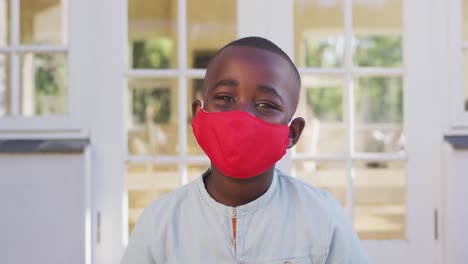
column 291, row 120
column 201, row 101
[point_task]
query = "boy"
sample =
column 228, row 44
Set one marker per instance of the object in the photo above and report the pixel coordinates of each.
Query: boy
column 242, row 210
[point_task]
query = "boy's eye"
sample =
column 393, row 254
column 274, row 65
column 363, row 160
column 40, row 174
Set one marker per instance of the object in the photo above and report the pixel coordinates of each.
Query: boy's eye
column 266, row 107
column 224, row 101
column 224, row 98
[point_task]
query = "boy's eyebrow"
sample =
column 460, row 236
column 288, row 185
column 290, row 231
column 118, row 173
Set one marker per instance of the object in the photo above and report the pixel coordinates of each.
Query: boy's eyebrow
column 269, row 90
column 261, row 88
column 224, row 82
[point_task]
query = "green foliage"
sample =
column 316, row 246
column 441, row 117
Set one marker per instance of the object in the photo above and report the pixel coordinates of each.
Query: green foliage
column 379, row 51
column 152, row 53
column 327, row 103
column 157, row 100
column 326, row 53
column 377, row 99
column 50, row 80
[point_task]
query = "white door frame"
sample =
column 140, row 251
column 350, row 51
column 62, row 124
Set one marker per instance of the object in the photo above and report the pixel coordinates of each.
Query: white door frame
column 107, row 52
column 423, row 123
column 102, row 30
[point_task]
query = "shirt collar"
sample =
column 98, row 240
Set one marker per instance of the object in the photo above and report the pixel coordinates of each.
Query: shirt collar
column 260, row 202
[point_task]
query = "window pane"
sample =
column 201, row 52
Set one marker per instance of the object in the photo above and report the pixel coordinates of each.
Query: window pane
column 4, row 85
column 147, row 183
column 43, row 22
column 379, row 115
column 44, row 79
column 319, row 33
column 152, row 34
column 194, row 92
column 326, row 175
column 321, row 104
column 378, row 28
column 380, row 200
column 152, row 117
column 4, row 22
column 379, row 51
column 210, row 25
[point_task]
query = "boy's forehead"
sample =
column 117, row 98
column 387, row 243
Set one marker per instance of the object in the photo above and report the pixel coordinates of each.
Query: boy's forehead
column 267, row 67
column 265, row 61
column 237, row 52
column 262, row 65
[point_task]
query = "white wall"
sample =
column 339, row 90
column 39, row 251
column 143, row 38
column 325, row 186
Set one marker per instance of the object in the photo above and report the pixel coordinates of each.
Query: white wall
column 43, row 200
column 456, row 205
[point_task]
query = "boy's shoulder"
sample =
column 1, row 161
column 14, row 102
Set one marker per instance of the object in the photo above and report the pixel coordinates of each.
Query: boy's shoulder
column 177, row 196
column 177, row 199
column 310, row 199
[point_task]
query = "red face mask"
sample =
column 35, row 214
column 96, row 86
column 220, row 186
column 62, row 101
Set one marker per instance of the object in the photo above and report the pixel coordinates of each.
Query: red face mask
column 238, row 144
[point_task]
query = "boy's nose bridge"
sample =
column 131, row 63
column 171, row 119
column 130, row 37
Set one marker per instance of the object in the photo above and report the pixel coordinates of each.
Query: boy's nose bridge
column 246, row 106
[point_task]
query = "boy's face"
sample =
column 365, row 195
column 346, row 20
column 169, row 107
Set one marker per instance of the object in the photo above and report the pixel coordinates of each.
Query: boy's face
column 253, row 80
column 256, row 81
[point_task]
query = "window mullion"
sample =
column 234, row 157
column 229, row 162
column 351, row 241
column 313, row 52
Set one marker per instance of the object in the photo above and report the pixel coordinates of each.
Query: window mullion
column 166, row 73
column 41, row 48
column 349, row 103
column 14, row 58
column 15, row 23
column 182, row 89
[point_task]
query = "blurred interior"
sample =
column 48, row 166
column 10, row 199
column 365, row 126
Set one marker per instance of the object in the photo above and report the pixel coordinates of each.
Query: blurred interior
column 43, row 76
column 153, row 123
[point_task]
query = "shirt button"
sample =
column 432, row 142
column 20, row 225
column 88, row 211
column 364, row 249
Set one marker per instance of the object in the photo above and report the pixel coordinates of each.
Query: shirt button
column 233, row 214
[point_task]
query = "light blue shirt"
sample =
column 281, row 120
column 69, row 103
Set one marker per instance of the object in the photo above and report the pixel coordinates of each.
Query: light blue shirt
column 291, row 223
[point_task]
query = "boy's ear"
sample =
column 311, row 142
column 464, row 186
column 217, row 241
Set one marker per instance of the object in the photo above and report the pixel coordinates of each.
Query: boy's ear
column 295, row 130
column 196, row 106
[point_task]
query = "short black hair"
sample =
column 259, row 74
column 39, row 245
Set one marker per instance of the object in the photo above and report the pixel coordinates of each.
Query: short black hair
column 265, row 44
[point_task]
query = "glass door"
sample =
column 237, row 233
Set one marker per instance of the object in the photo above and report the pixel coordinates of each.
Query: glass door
column 169, row 46
column 367, row 141
column 350, row 56
column 364, row 131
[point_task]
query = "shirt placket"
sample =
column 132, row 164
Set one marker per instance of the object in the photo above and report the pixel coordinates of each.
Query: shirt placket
column 239, row 238
column 234, row 228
